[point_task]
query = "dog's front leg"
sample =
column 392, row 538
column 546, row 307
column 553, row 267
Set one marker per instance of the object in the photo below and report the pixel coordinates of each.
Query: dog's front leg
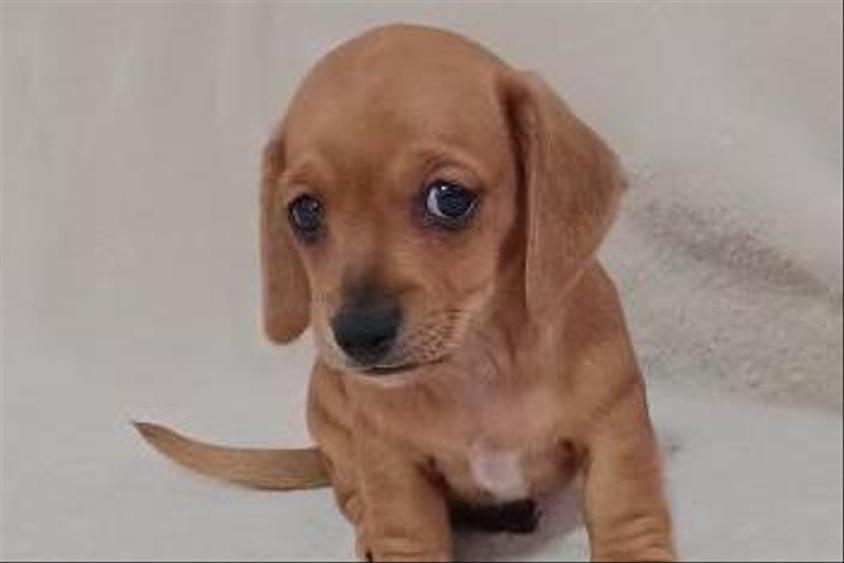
column 626, row 511
column 405, row 517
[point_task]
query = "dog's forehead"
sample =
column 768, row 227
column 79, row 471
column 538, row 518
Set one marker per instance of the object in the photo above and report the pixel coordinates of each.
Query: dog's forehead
column 395, row 86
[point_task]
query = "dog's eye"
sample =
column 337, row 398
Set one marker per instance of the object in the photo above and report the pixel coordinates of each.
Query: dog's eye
column 449, row 204
column 306, row 214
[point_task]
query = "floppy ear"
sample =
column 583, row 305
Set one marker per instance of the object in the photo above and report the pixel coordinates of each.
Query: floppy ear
column 286, row 295
column 571, row 185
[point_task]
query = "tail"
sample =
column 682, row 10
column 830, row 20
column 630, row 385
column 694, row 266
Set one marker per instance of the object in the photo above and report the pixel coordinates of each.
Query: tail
column 265, row 469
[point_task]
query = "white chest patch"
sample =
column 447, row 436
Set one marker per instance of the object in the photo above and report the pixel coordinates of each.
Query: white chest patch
column 499, row 472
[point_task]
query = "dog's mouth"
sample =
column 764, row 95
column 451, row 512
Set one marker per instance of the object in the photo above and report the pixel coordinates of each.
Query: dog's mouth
column 377, row 371
column 428, row 344
column 397, row 369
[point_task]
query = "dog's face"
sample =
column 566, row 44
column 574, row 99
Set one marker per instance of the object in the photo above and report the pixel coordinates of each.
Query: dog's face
column 395, row 196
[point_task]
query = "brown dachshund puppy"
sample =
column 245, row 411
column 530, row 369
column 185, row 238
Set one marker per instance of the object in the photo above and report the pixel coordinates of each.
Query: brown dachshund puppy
column 433, row 215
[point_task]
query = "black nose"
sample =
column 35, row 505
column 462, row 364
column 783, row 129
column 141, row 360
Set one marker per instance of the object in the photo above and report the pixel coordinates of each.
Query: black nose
column 366, row 330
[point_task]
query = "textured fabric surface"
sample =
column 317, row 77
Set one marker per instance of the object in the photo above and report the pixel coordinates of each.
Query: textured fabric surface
column 130, row 143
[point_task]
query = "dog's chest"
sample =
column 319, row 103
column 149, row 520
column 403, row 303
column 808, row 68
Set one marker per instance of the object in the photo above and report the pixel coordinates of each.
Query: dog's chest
column 499, row 472
column 504, row 448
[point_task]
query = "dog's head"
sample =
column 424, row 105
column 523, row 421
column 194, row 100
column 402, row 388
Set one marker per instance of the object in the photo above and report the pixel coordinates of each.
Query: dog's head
column 416, row 181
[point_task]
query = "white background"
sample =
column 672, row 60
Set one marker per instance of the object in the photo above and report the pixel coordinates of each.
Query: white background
column 130, row 143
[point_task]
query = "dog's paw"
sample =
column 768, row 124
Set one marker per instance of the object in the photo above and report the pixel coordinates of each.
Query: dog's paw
column 397, row 551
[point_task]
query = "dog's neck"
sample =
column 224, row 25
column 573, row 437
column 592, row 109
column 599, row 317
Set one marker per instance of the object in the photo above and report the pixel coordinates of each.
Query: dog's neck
column 501, row 336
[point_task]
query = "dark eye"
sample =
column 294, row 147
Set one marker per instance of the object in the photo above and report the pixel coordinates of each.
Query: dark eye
column 449, row 204
column 306, row 215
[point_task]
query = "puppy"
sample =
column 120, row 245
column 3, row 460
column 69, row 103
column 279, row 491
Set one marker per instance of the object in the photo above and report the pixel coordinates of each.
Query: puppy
column 433, row 215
